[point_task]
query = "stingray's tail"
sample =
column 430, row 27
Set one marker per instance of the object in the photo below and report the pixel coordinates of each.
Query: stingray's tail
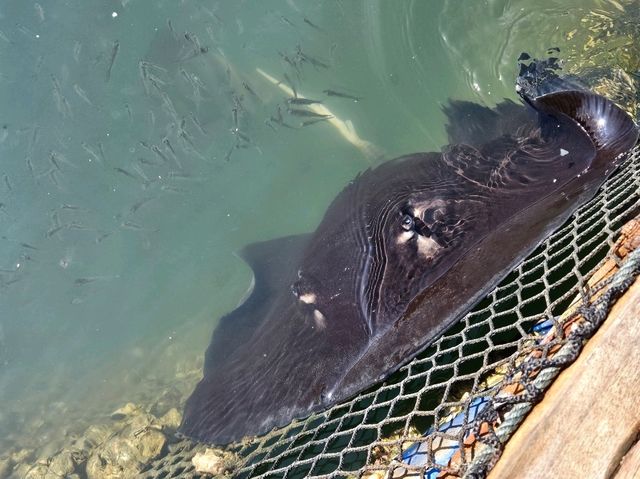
column 609, row 127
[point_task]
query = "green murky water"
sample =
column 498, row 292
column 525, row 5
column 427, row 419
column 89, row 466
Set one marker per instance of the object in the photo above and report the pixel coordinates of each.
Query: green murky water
column 140, row 147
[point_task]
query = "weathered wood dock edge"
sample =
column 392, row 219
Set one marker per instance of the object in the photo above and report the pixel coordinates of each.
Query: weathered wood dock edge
column 588, row 424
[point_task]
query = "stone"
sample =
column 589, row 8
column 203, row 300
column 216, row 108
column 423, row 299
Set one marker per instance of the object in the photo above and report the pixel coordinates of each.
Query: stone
column 115, row 459
column 96, row 434
column 171, row 420
column 125, row 411
column 6, row 466
column 37, row 471
column 149, row 444
column 214, row 462
column 62, row 464
column 124, row 455
column 23, row 455
column 21, row 470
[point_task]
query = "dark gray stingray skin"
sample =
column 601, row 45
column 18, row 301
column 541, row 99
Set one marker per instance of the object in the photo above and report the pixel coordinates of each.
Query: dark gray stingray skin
column 402, row 252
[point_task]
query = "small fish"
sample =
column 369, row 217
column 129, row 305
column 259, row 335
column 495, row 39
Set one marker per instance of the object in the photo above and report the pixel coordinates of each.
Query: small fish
column 61, row 102
column 26, row 31
column 286, row 58
column 6, row 182
column 242, row 136
column 234, row 116
column 227, row 157
column 198, row 48
column 316, row 120
column 172, row 189
column 82, row 94
column 130, row 225
column 56, row 225
column 168, row 107
column 66, row 206
column 77, row 225
column 308, row 58
column 168, row 145
column 307, row 113
column 91, row 152
column 114, row 53
column 52, row 177
column 145, row 161
column 92, row 279
column 138, row 169
column 57, row 158
column 101, row 151
column 143, row 73
column 34, row 138
column 30, row 167
column 125, row 172
column 39, row 12
column 341, row 95
column 159, row 153
column 287, row 21
column 77, row 50
column 179, row 175
column 311, row 24
column 246, row 86
column 174, row 34
column 196, row 122
column 102, row 236
column 139, row 204
column 302, row 101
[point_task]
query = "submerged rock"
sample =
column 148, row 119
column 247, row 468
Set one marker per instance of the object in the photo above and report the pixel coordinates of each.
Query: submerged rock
column 23, row 455
column 215, row 462
column 171, row 420
column 62, row 464
column 6, row 466
column 124, row 455
column 38, row 471
column 125, row 411
column 94, row 435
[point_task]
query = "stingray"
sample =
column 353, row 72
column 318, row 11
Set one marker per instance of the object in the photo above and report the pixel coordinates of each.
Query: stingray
column 401, row 254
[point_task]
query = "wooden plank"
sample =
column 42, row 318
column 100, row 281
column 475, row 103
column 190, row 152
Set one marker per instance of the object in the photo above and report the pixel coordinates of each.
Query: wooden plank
column 630, row 467
column 591, row 414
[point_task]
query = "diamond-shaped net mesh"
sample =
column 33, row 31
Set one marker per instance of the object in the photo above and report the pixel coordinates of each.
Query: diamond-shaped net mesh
column 448, row 411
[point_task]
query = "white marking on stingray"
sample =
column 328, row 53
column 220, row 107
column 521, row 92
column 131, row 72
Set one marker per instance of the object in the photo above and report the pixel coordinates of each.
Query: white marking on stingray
column 405, row 236
column 563, row 152
column 427, row 247
column 307, row 298
column 320, row 320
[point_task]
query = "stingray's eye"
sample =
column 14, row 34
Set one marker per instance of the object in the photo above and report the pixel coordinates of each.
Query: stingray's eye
column 407, row 223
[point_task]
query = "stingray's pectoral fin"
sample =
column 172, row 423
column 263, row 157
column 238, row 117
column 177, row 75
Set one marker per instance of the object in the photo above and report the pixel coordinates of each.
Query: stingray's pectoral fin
column 273, row 264
column 610, row 128
column 257, row 352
